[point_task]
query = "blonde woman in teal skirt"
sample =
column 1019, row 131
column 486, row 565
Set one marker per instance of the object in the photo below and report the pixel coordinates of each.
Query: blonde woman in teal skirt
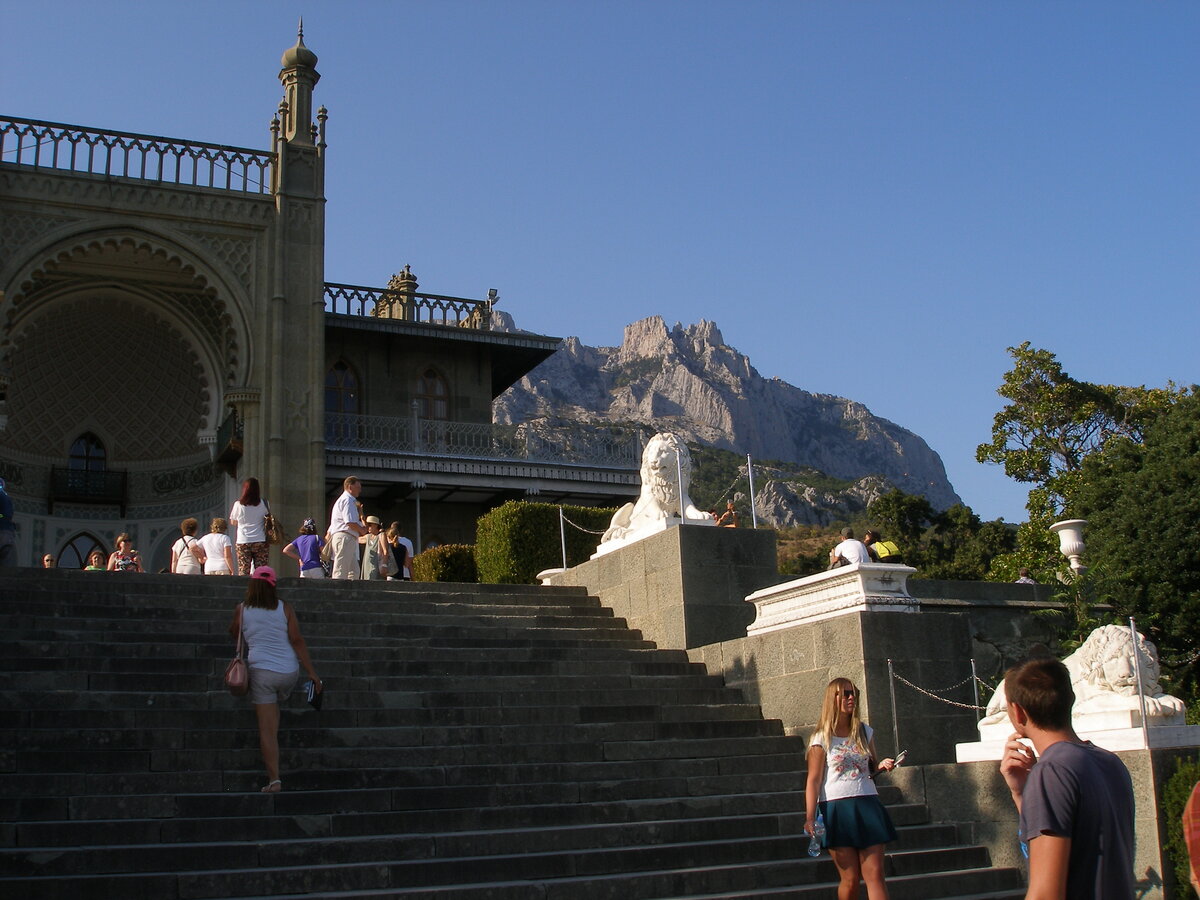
column 841, row 786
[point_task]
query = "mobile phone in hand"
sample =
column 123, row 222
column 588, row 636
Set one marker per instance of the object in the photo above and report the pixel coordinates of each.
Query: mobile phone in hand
column 314, row 698
column 900, row 756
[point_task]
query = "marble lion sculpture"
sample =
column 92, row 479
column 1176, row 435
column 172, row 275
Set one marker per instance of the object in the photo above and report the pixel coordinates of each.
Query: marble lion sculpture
column 1104, row 680
column 664, row 460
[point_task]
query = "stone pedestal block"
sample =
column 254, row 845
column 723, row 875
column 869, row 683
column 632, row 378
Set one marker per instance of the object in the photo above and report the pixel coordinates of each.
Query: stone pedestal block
column 786, row 671
column 685, row 586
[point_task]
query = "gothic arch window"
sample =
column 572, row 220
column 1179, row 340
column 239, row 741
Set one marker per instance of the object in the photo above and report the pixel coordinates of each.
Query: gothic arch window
column 341, row 389
column 75, row 552
column 433, row 395
column 87, row 454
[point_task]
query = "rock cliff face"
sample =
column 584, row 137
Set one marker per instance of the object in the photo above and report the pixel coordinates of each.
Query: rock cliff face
column 685, row 379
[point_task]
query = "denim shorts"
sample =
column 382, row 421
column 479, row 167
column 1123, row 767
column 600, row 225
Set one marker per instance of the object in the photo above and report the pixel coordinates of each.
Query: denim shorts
column 271, row 687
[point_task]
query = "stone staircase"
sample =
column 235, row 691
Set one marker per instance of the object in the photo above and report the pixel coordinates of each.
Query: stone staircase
column 477, row 741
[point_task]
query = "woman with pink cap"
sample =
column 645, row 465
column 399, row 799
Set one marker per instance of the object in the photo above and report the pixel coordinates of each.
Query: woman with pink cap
column 276, row 650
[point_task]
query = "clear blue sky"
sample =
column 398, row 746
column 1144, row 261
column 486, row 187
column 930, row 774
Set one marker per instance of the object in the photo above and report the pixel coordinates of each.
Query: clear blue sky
column 871, row 199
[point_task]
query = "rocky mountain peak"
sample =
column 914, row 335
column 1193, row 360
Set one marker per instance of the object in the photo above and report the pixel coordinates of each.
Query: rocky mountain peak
column 686, row 379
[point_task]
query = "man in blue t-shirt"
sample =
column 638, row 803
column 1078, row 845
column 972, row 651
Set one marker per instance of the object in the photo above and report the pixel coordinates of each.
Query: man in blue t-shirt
column 1075, row 800
column 8, row 530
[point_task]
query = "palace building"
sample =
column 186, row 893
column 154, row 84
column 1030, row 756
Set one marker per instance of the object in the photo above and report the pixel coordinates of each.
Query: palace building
column 166, row 330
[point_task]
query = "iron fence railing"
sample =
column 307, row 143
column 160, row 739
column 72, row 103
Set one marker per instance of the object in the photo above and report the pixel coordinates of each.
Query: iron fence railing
column 611, row 448
column 432, row 309
column 73, row 148
column 88, row 486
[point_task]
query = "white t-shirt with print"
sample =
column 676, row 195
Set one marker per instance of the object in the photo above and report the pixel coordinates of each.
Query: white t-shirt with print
column 847, row 769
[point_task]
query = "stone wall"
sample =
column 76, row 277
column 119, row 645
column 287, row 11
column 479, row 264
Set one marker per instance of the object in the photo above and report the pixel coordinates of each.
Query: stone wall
column 684, row 587
column 1002, row 619
column 786, row 673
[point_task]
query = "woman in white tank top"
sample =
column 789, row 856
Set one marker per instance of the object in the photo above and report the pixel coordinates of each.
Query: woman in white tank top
column 276, row 651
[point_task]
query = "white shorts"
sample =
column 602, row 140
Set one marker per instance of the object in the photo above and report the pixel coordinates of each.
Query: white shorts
column 271, row 687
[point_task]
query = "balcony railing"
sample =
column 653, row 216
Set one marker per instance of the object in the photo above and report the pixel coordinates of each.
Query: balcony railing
column 230, row 438
column 610, row 448
column 50, row 145
column 431, row 309
column 84, row 486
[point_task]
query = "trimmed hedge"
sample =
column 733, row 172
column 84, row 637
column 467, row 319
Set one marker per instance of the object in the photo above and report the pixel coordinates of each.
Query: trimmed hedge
column 448, row 562
column 517, row 540
column 1175, row 797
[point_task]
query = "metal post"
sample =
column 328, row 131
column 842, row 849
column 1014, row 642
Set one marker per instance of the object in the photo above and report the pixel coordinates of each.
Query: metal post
column 750, row 472
column 892, row 691
column 679, row 477
column 420, row 544
column 975, row 683
column 562, row 535
column 1137, row 668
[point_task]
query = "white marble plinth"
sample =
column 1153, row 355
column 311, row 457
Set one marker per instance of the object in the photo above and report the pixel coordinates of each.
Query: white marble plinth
column 1115, row 739
column 863, row 587
column 647, row 530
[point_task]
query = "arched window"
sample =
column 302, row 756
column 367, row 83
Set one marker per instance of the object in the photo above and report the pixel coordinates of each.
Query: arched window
column 76, row 551
column 341, row 389
column 433, row 396
column 87, row 454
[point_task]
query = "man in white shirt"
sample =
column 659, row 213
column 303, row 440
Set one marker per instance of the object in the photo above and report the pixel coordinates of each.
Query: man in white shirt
column 345, row 526
column 849, row 551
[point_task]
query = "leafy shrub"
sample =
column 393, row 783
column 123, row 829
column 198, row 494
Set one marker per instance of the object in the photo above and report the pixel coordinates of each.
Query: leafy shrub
column 1175, row 796
column 448, row 562
column 517, row 540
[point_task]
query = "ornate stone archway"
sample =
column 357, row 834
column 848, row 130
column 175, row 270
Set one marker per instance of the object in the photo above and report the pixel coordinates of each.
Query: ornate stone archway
column 128, row 334
column 154, row 271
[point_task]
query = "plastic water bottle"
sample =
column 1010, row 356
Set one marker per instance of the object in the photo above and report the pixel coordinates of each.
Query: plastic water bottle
column 818, row 833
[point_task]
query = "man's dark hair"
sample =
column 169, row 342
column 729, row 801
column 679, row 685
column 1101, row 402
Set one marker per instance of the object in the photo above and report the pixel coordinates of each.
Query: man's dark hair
column 1042, row 687
column 847, row 532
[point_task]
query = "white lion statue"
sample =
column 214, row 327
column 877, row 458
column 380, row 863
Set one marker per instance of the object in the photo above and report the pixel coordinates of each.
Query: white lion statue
column 665, row 462
column 1104, row 681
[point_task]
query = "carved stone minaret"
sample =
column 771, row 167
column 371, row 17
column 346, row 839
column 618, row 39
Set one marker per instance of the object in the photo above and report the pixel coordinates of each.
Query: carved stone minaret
column 282, row 409
column 299, row 76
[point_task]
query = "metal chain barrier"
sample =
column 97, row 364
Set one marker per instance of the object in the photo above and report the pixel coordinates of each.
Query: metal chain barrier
column 991, row 688
column 740, row 475
column 933, row 696
column 579, row 527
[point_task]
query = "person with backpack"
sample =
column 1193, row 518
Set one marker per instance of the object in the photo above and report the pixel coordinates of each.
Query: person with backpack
column 881, row 550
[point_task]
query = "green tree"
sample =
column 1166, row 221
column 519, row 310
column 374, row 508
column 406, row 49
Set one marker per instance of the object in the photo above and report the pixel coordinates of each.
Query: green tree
column 953, row 545
column 1051, row 424
column 902, row 518
column 1142, row 503
column 960, row 547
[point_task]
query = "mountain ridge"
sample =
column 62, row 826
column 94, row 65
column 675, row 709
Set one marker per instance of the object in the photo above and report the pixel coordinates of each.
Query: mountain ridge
column 686, row 379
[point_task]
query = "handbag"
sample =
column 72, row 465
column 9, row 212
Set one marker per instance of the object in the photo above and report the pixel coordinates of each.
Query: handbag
column 271, row 526
column 237, row 675
column 393, row 565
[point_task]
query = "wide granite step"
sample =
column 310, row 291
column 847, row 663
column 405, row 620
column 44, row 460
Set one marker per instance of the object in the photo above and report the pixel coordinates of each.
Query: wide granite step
column 476, row 742
column 661, row 870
